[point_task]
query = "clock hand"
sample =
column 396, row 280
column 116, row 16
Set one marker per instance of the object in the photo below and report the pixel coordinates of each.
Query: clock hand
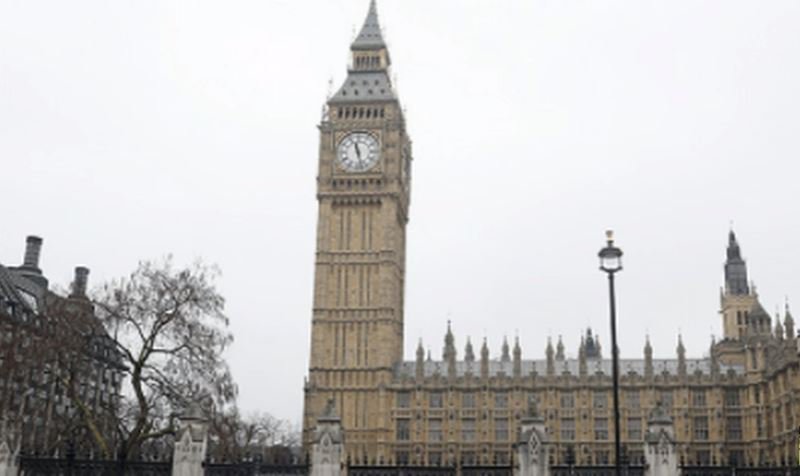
column 358, row 152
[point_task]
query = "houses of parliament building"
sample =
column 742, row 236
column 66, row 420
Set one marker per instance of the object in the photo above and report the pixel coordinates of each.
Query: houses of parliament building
column 739, row 405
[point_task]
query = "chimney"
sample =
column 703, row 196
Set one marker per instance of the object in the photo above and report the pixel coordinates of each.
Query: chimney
column 80, row 282
column 33, row 248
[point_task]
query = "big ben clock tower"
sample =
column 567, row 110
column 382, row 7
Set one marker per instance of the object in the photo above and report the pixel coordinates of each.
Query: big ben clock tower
column 363, row 192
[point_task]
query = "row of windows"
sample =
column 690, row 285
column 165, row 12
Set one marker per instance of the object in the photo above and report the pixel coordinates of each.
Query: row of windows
column 361, row 112
column 468, row 430
column 436, row 458
column 631, row 399
column 368, row 61
column 634, row 429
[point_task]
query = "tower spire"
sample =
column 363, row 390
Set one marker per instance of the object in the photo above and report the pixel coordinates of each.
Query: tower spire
column 735, row 268
column 370, row 37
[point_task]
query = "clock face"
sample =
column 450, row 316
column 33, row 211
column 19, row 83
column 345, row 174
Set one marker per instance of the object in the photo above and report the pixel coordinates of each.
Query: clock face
column 358, row 152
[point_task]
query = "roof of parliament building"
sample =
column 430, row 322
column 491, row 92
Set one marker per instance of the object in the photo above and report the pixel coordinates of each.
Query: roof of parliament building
column 756, row 331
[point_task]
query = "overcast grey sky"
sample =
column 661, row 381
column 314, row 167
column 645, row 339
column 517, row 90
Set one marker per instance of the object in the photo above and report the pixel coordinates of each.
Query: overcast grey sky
column 133, row 129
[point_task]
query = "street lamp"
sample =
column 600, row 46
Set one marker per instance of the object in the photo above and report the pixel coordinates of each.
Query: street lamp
column 611, row 263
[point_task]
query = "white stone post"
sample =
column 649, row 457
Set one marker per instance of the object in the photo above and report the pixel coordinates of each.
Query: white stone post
column 9, row 451
column 533, row 447
column 190, row 444
column 326, row 452
column 660, row 450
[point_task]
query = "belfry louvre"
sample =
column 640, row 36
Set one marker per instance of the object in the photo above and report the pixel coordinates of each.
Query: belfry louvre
column 739, row 405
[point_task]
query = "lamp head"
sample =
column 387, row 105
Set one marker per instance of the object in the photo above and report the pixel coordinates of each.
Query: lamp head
column 610, row 256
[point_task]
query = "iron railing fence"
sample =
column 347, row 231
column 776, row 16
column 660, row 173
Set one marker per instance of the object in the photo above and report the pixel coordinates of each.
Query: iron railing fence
column 71, row 466
column 599, row 470
column 255, row 468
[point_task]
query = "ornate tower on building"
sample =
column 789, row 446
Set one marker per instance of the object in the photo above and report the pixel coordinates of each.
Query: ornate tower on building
column 744, row 320
column 737, row 299
column 363, row 192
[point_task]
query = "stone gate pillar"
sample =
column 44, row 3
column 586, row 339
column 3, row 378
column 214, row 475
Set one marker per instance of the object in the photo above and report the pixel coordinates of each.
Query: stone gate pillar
column 326, row 451
column 9, row 451
column 660, row 452
column 533, row 449
column 190, row 444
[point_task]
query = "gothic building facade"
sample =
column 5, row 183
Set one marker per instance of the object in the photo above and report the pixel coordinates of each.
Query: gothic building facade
column 737, row 405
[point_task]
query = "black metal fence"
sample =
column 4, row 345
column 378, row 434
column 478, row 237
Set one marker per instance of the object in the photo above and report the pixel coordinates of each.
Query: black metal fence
column 495, row 470
column 72, row 466
column 255, row 468
column 401, row 471
column 604, row 470
column 738, row 471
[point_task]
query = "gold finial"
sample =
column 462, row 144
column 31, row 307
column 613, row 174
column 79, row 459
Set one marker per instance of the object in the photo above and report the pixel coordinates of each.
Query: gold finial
column 610, row 235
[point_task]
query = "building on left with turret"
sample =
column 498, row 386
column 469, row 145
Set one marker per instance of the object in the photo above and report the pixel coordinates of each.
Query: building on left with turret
column 57, row 363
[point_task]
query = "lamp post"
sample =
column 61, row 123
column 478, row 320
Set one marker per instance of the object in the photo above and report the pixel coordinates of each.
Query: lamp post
column 611, row 263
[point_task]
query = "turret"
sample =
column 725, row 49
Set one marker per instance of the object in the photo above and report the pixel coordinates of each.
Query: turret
column 714, row 360
column 517, row 358
column 484, row 360
column 592, row 345
column 560, row 350
column 449, row 352
column 506, row 353
column 420, row 367
column 583, row 369
column 778, row 327
column 735, row 269
column 788, row 323
column 738, row 300
column 469, row 353
column 648, row 359
column 551, row 364
column 681, row 351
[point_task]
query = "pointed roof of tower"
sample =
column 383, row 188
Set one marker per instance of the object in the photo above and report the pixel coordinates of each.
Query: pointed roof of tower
column 560, row 349
column 372, row 83
column 734, row 251
column 370, row 36
column 505, row 355
column 681, row 350
column 469, row 353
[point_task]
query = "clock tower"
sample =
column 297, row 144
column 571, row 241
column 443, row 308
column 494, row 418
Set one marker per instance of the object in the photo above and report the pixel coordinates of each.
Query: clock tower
column 363, row 188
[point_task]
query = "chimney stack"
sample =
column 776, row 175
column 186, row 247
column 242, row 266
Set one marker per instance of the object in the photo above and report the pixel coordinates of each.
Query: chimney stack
column 33, row 248
column 79, row 285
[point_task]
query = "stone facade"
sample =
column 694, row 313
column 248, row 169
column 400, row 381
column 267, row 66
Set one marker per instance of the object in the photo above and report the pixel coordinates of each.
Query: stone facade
column 357, row 323
column 737, row 405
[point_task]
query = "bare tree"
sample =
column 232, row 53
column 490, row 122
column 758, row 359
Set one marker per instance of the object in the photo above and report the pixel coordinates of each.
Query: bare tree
column 257, row 436
column 169, row 326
